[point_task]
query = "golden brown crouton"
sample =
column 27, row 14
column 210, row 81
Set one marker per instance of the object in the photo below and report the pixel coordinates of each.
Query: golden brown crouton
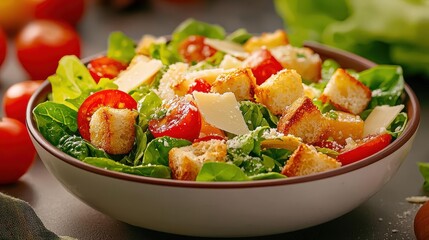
column 307, row 63
column 346, row 93
column 280, row 90
column 306, row 160
column 344, row 125
column 186, row 162
column 269, row 40
column 241, row 82
column 303, row 119
column 113, row 129
column 168, row 85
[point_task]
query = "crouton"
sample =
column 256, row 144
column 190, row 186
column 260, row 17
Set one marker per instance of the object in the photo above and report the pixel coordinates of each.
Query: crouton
column 241, row 82
column 186, row 162
column 168, row 85
column 307, row 63
column 346, row 93
column 280, row 90
column 311, row 92
column 269, row 40
column 113, row 129
column 305, row 160
column 344, row 125
column 303, row 119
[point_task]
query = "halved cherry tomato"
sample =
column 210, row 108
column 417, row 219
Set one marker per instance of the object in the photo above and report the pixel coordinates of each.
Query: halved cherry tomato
column 105, row 67
column 199, row 85
column 182, row 120
column 60, row 10
column 193, row 49
column 109, row 98
column 367, row 147
column 263, row 65
column 333, row 145
column 16, row 98
column 16, row 150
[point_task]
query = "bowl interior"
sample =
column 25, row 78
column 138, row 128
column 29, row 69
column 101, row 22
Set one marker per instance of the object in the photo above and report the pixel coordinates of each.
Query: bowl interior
column 345, row 59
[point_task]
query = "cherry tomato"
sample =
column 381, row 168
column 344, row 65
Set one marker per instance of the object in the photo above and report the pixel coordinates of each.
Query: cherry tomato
column 42, row 43
column 3, row 46
column 193, row 49
column 105, row 67
column 333, row 145
column 15, row 13
column 421, row 222
column 263, row 65
column 16, row 98
column 367, row 147
column 109, row 98
column 60, row 10
column 16, row 150
column 199, row 85
column 182, row 120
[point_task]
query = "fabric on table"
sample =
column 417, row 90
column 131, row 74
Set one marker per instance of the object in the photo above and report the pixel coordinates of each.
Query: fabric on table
column 18, row 221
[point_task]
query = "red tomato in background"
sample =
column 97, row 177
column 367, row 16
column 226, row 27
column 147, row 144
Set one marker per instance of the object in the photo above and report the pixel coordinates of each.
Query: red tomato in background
column 366, row 148
column 15, row 13
column 3, row 46
column 263, row 65
column 105, row 67
column 193, row 49
column 182, row 120
column 70, row 11
column 42, row 43
column 16, row 150
column 16, row 98
column 108, row 98
column 199, row 85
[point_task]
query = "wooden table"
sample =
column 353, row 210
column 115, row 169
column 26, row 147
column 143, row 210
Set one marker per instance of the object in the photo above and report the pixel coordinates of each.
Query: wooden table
column 387, row 215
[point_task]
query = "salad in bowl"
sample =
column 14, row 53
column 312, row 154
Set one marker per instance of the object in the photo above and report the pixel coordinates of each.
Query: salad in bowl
column 203, row 105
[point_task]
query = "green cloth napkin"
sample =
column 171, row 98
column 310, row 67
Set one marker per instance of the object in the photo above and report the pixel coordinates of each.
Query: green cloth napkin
column 19, row 221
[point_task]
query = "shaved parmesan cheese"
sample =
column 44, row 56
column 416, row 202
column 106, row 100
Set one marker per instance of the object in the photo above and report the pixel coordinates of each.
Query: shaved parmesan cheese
column 230, row 62
column 380, row 118
column 231, row 48
column 221, row 111
column 139, row 73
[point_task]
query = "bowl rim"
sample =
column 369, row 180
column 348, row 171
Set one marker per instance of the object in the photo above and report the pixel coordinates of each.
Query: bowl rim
column 412, row 106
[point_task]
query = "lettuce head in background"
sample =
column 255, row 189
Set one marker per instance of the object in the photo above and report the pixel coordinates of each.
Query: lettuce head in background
column 384, row 31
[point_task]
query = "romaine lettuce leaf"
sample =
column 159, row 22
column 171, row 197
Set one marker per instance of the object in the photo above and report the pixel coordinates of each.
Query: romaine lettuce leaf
column 157, row 150
column 121, row 47
column 220, row 172
column 256, row 115
column 424, row 170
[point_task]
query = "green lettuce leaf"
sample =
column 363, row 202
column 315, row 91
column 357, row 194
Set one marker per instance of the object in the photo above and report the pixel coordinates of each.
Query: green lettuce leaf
column 424, row 170
column 220, row 172
column 73, row 83
column 54, row 120
column 157, row 171
column 157, row 150
column 121, row 47
column 256, row 115
column 77, row 147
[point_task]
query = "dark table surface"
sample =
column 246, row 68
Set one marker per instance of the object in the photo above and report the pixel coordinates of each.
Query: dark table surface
column 386, row 215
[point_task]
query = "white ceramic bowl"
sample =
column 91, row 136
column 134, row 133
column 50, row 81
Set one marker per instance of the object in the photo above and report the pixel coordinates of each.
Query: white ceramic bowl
column 230, row 209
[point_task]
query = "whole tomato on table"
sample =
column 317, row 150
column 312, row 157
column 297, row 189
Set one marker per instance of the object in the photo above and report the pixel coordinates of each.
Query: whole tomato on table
column 42, row 43
column 16, row 98
column 16, row 150
column 70, row 11
column 3, row 46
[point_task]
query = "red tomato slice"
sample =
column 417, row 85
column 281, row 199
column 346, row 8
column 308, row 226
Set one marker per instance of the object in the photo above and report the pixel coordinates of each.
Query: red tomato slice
column 200, row 85
column 263, row 65
column 193, row 49
column 105, row 67
column 109, row 98
column 369, row 146
column 182, row 120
